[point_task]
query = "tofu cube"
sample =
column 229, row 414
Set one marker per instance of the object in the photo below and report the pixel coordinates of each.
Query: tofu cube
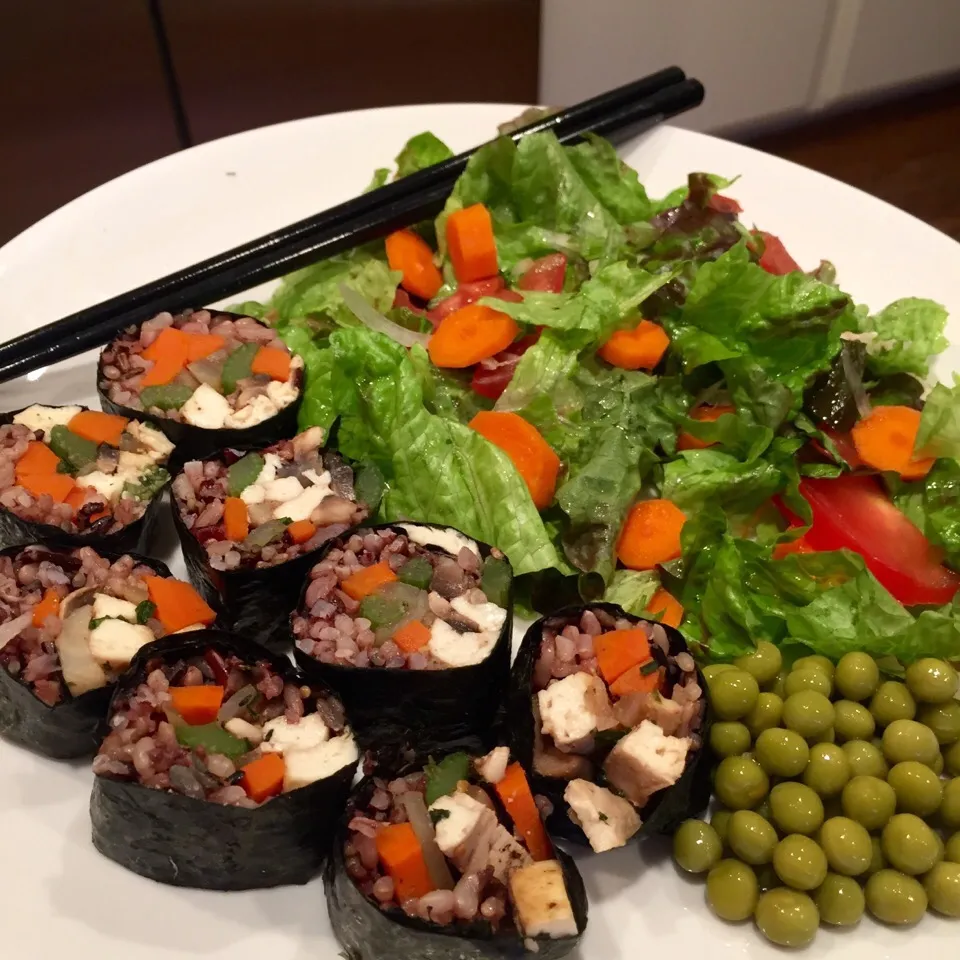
column 108, row 485
column 506, row 854
column 150, row 437
column 256, row 411
column 646, row 760
column 461, row 825
column 608, row 820
column 116, row 642
column 454, row 649
column 303, row 767
column 280, row 736
column 106, row 606
column 540, row 902
column 206, row 408
column 244, row 730
column 39, row 417
column 575, row 708
column 493, row 767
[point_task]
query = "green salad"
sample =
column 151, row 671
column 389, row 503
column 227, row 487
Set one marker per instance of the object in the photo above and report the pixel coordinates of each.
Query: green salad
column 644, row 400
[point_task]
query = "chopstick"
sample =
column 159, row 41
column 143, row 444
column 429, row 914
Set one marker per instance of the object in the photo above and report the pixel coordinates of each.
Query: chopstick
column 616, row 114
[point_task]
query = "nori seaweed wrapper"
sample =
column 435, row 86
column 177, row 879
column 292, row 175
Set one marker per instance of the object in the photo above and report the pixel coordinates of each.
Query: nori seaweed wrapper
column 133, row 538
column 666, row 809
column 71, row 729
column 429, row 710
column 199, row 443
column 368, row 933
column 197, row 843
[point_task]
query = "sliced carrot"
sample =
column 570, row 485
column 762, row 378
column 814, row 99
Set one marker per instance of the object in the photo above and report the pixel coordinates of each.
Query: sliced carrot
column 368, row 580
column 412, row 636
column 885, row 440
column 638, row 679
column 178, row 604
column 300, row 531
column 98, row 427
column 56, row 485
column 641, row 348
column 651, row 534
column 49, row 606
column 470, row 242
column 409, row 253
column 168, row 353
column 200, row 345
column 272, row 362
column 199, row 704
column 705, row 414
column 522, row 443
column 236, row 524
column 514, row 791
column 263, row 778
column 469, row 335
column 669, row 608
column 399, row 851
column 799, row 545
column 619, row 650
column 39, row 458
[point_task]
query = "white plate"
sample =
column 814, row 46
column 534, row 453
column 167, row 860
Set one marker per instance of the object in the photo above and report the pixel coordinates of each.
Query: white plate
column 59, row 896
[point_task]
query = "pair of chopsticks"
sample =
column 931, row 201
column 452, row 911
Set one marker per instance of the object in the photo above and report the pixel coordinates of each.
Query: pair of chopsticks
column 616, row 114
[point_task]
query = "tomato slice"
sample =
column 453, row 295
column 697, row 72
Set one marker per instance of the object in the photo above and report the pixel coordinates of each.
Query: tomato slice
column 545, row 275
column 775, row 258
column 853, row 512
column 724, row 204
column 464, row 295
column 844, row 446
column 490, row 378
column 403, row 299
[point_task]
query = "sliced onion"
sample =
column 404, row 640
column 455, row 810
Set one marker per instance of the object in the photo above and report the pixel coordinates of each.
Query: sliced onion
column 234, row 705
column 412, row 802
column 856, row 385
column 12, row 628
column 206, row 371
column 377, row 321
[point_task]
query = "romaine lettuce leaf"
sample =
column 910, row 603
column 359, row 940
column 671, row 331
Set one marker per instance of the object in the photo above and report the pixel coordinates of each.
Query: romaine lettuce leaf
column 939, row 433
column 907, row 334
column 423, row 150
column 933, row 505
column 318, row 408
column 701, row 476
column 632, row 590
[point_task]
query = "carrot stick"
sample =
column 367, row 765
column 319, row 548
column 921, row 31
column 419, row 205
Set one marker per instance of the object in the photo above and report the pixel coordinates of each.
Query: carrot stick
column 300, row 531
column 56, row 485
column 522, row 443
column 638, row 679
column 705, row 414
column 235, row 522
column 473, row 251
column 514, row 791
column 469, row 335
column 39, row 458
column 409, row 253
column 200, row 345
column 168, row 353
column 272, row 362
column 197, row 705
column 399, row 851
column 98, row 427
column 178, row 604
column 263, row 778
column 412, row 636
column 885, row 440
column 49, row 606
column 619, row 650
column 651, row 534
column 669, row 608
column 368, row 580
column 638, row 349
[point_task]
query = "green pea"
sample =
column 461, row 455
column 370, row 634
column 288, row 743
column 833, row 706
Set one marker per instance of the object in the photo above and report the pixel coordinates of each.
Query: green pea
column 852, row 721
column 767, row 878
column 715, row 669
column 951, row 759
column 729, row 738
column 808, row 679
column 909, row 740
column 866, row 760
column 950, row 805
column 943, row 719
column 733, row 694
column 870, row 801
column 917, row 788
column 696, row 846
column 776, row 686
column 732, row 890
column 951, row 850
column 720, row 821
column 840, row 901
column 808, row 713
column 895, row 898
column 857, row 676
column 751, row 838
column 765, row 715
column 764, row 663
column 740, row 783
column 909, row 844
column 828, row 736
column 942, row 886
column 782, row 753
column 932, row 681
column 877, row 860
column 764, row 809
column 795, row 808
column 846, row 845
column 799, row 862
column 828, row 769
column 937, row 765
column 816, row 662
column 892, row 701
column 787, row 918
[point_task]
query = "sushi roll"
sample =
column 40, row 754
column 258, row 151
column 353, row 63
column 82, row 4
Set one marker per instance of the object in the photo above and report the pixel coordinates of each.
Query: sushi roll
column 209, row 380
column 251, row 527
column 451, row 861
column 222, row 770
column 411, row 624
column 73, row 476
column 71, row 620
column 609, row 714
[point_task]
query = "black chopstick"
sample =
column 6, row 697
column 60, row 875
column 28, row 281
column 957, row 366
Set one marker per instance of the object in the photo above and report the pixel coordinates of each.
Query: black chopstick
column 617, row 114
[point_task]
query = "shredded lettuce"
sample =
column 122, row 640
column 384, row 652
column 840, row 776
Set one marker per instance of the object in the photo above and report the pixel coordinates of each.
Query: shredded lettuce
column 907, row 334
column 939, row 433
column 632, row 590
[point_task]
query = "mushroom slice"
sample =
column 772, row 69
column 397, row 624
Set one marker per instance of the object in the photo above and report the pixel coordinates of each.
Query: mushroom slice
column 80, row 671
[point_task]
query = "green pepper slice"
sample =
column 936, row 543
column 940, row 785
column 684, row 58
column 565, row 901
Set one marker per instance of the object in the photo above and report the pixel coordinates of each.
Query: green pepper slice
column 417, row 572
column 213, row 738
column 237, row 366
column 168, row 396
column 495, row 580
column 75, row 452
column 243, row 473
